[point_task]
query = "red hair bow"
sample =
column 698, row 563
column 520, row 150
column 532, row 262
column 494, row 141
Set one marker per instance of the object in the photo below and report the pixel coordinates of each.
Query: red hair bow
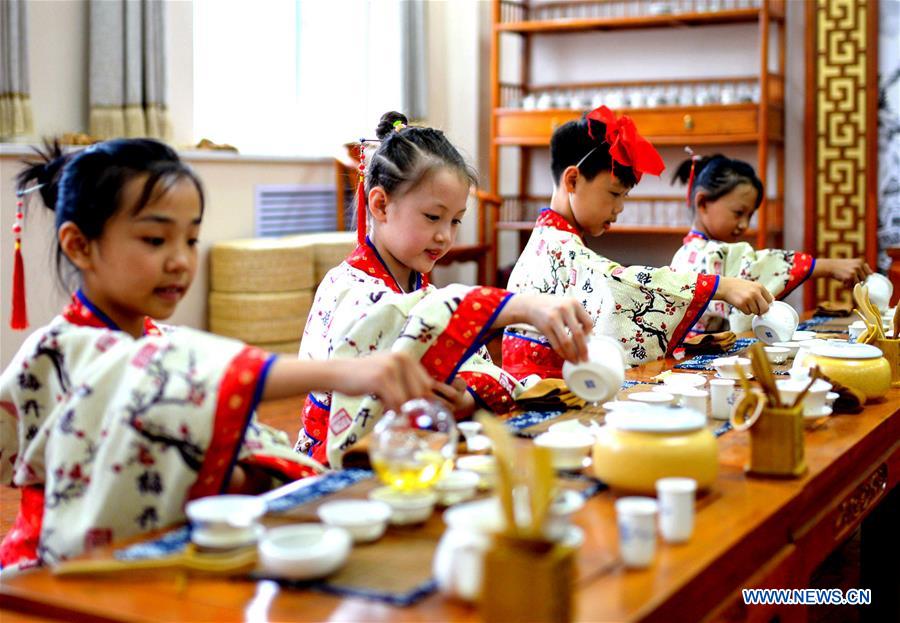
column 626, row 146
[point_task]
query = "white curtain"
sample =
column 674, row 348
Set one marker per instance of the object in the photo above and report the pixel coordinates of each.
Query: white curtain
column 127, row 69
column 15, row 96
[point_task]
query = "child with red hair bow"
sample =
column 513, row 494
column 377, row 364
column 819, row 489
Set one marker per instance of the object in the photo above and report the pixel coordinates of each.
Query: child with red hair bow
column 595, row 162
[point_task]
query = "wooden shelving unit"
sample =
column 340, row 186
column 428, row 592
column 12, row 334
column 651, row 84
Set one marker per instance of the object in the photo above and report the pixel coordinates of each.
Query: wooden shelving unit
column 759, row 122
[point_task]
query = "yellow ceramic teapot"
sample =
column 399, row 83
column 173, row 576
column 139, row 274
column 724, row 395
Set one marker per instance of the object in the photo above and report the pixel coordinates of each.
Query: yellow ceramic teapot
column 858, row 366
column 640, row 445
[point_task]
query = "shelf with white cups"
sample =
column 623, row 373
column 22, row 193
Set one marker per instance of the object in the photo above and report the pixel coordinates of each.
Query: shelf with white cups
column 512, row 12
column 642, row 211
column 709, row 92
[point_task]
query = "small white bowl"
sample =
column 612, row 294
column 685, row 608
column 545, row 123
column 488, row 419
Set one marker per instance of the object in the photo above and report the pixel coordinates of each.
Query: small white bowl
column 304, row 551
column 802, row 336
column 224, row 512
column 469, row 429
column 231, row 538
column 727, row 367
column 776, row 354
column 791, row 346
column 661, row 398
column 830, row 397
column 681, row 380
column 478, row 443
column 569, row 448
column 457, row 486
column 365, row 520
column 406, row 508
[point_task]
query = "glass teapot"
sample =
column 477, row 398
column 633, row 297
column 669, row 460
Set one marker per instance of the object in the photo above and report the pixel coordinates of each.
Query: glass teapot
column 413, row 449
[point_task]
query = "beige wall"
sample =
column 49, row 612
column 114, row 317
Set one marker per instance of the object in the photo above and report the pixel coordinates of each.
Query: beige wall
column 229, row 186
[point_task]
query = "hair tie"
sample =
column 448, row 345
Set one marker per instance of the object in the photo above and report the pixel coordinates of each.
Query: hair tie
column 690, row 184
column 399, row 125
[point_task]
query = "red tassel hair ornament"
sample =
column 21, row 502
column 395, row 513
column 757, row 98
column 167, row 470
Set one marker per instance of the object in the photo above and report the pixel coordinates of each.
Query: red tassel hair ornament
column 361, row 195
column 19, row 317
column 690, row 184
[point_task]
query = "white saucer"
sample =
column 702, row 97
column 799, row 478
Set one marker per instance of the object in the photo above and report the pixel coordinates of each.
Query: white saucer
column 823, row 412
column 725, row 378
column 227, row 539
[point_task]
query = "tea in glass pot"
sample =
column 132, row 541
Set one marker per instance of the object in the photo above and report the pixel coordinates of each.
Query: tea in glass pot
column 413, row 449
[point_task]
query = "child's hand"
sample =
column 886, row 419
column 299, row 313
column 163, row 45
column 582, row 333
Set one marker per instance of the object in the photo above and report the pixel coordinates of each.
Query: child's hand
column 456, row 397
column 393, row 377
column 562, row 320
column 750, row 297
column 849, row 271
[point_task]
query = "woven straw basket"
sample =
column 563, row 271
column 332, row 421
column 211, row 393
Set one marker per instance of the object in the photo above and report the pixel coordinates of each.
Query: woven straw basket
column 259, row 318
column 262, row 265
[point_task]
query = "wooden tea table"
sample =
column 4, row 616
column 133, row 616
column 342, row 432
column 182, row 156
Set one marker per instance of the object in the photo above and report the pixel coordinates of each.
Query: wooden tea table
column 749, row 533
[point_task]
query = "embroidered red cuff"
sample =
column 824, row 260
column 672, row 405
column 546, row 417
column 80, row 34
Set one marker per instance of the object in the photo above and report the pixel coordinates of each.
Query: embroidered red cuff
column 801, row 270
column 465, row 331
column 234, row 407
column 495, row 394
column 704, row 290
column 287, row 470
column 524, row 356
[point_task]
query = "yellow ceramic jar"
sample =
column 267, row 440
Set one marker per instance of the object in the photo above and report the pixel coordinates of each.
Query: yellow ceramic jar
column 639, row 446
column 859, row 366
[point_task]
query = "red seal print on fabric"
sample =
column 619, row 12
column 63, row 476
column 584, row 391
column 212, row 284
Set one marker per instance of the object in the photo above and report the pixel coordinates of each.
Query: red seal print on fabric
column 144, row 356
column 105, row 342
column 340, row 422
column 97, row 537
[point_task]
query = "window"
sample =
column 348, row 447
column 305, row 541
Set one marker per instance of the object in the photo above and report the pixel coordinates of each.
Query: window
column 298, row 77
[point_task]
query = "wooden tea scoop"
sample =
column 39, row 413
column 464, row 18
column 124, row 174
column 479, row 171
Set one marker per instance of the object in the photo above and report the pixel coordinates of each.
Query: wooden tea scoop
column 540, row 489
column 229, row 562
column 760, row 366
column 814, row 375
column 504, row 453
column 872, row 313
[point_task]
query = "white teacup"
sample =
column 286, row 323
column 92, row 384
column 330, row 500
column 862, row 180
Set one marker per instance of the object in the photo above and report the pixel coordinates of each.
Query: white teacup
column 792, row 347
column 568, row 448
column 776, row 325
column 880, row 290
column 813, row 402
column 599, row 378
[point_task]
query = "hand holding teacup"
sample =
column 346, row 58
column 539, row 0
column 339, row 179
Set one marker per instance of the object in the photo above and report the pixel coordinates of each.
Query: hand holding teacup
column 776, row 325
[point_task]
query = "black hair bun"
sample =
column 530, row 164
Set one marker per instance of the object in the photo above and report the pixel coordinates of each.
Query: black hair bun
column 386, row 124
column 44, row 172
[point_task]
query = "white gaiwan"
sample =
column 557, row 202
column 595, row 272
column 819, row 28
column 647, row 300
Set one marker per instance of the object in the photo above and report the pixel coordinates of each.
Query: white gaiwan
column 599, row 378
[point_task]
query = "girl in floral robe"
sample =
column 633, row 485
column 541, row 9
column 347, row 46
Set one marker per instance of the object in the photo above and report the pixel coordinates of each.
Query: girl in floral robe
column 109, row 423
column 595, row 162
column 415, row 193
column 724, row 194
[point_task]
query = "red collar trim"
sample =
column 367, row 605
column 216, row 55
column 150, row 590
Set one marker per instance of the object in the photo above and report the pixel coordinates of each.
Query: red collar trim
column 549, row 218
column 80, row 313
column 694, row 235
column 366, row 259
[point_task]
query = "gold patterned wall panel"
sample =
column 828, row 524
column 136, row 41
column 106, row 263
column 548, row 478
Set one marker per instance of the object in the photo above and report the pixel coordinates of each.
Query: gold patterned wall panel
column 841, row 168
